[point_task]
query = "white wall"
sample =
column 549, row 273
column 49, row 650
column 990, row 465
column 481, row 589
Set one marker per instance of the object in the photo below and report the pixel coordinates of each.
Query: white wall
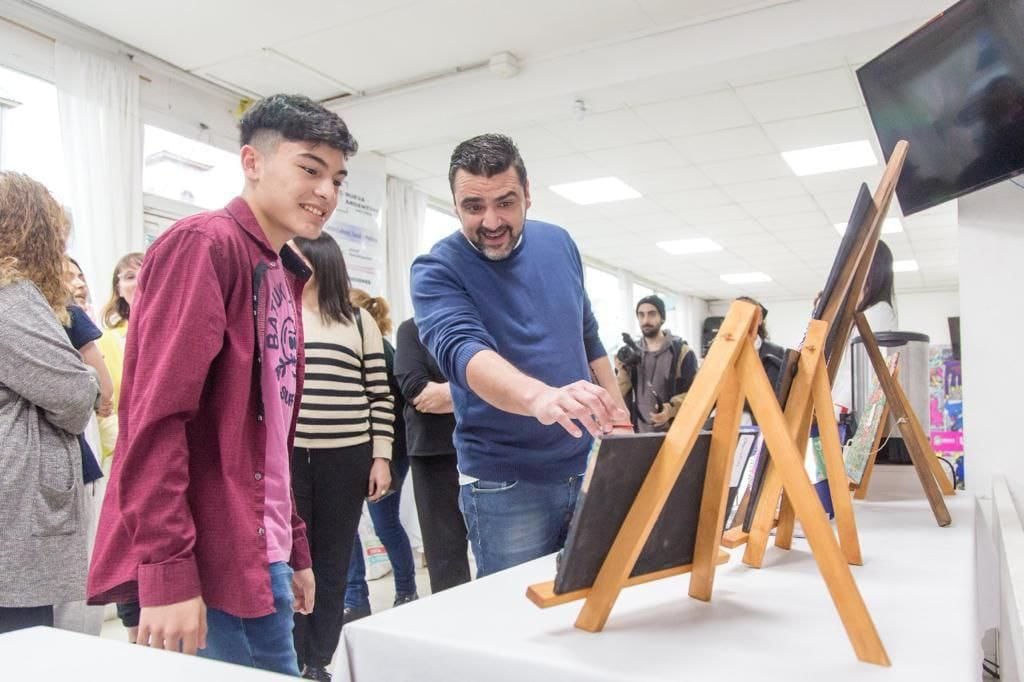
column 991, row 261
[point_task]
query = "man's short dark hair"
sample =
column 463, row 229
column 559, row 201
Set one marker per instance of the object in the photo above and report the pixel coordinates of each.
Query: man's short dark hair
column 486, row 155
column 299, row 119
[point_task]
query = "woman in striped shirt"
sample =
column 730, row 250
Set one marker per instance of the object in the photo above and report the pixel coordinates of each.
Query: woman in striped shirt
column 342, row 441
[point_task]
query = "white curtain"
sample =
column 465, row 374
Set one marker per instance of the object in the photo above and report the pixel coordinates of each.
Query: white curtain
column 101, row 133
column 403, row 221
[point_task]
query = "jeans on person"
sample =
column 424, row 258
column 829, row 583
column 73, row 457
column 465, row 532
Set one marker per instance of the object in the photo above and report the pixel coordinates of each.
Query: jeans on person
column 388, row 527
column 264, row 642
column 512, row 522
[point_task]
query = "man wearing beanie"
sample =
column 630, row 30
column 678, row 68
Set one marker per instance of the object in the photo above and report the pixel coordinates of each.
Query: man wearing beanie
column 655, row 380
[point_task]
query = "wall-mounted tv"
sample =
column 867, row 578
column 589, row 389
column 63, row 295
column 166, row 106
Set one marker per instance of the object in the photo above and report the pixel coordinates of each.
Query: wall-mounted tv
column 954, row 89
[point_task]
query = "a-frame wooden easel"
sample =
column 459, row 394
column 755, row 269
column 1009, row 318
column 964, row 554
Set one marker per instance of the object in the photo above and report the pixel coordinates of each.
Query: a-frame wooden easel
column 842, row 314
column 731, row 373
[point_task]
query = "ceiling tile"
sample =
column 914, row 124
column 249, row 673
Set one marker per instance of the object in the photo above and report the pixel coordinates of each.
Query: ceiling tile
column 536, row 143
column 694, row 198
column 810, row 220
column 639, row 157
column 848, row 125
column 760, row 190
column 712, row 215
column 747, row 170
column 562, row 169
column 603, row 131
column 434, row 158
column 786, row 206
column 723, row 145
column 695, row 115
column 667, row 180
column 799, row 96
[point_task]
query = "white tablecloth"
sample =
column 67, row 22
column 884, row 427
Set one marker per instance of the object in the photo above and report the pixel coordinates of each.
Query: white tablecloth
column 777, row 623
column 47, row 654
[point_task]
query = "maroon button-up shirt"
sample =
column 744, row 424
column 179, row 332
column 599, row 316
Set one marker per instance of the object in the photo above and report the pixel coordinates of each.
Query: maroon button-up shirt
column 183, row 514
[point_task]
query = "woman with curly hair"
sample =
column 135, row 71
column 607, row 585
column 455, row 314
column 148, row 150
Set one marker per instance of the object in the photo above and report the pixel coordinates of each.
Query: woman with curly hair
column 47, row 395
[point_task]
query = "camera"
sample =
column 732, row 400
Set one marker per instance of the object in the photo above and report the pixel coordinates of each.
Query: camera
column 629, row 354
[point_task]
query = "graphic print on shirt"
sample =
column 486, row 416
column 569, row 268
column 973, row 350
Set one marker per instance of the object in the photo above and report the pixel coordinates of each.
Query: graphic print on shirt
column 281, row 338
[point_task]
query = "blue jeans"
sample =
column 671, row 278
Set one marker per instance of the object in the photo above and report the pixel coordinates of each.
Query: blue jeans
column 388, row 526
column 264, row 642
column 512, row 522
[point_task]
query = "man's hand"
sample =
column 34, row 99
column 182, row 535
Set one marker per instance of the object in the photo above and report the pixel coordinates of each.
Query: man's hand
column 105, row 408
column 304, row 588
column 380, row 479
column 663, row 417
column 175, row 627
column 587, row 403
column 435, row 398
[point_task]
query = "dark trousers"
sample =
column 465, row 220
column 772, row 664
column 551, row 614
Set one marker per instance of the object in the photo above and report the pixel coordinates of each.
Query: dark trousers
column 18, row 618
column 436, row 485
column 330, row 485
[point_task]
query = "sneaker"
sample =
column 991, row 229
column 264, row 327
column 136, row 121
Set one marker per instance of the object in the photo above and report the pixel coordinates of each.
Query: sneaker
column 405, row 598
column 354, row 613
column 316, row 673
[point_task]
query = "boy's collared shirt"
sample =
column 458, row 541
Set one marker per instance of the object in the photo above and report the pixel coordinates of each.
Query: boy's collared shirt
column 184, row 514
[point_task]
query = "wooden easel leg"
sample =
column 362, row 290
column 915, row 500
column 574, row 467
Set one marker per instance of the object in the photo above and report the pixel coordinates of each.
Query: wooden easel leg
column 852, row 611
column 913, row 436
column 733, row 335
column 764, row 518
column 838, row 481
column 787, row 524
column 724, row 435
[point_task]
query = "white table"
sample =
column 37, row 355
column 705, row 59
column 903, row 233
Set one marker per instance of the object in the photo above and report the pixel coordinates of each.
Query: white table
column 777, row 623
column 48, row 654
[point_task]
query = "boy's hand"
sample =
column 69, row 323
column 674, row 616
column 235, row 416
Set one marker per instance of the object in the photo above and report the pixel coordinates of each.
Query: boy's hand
column 175, row 627
column 304, row 587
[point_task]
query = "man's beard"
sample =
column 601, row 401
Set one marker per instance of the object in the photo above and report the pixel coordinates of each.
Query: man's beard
column 651, row 333
column 496, row 254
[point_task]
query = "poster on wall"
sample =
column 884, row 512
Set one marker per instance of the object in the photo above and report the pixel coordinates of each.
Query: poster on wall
column 946, row 407
column 358, row 223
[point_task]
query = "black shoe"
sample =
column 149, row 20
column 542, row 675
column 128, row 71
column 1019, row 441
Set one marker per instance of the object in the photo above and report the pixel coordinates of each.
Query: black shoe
column 311, row 672
column 405, row 598
column 354, row 613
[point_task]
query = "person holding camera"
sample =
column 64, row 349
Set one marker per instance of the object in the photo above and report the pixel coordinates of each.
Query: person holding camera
column 655, row 374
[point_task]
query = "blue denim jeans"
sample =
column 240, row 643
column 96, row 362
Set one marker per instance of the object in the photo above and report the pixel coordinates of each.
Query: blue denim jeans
column 512, row 522
column 264, row 642
column 388, row 526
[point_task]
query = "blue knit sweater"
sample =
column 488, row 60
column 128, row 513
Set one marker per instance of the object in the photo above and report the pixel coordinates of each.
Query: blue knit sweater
column 531, row 309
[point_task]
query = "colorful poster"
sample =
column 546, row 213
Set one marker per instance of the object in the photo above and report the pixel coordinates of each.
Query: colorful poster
column 945, row 398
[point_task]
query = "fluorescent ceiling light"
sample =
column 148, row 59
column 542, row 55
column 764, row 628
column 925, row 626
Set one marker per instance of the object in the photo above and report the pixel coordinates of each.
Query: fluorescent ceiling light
column 904, row 265
column 679, row 247
column 831, row 157
column 746, row 278
column 597, row 191
column 889, row 226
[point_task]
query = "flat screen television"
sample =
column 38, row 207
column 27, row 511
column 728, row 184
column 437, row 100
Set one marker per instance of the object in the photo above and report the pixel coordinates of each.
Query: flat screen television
column 954, row 89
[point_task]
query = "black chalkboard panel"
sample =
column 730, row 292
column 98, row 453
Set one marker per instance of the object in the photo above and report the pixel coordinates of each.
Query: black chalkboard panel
column 618, row 466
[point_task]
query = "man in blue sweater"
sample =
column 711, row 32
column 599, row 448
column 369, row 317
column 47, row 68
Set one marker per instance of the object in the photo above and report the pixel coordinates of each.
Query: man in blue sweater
column 502, row 307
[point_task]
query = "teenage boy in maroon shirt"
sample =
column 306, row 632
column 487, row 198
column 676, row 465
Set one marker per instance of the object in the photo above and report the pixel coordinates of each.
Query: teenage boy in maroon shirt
column 199, row 525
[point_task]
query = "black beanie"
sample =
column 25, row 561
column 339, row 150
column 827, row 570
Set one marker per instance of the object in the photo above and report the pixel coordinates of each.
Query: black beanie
column 652, row 300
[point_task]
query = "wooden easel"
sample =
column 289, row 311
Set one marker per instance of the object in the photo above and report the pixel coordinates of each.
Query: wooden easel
column 842, row 314
column 731, row 373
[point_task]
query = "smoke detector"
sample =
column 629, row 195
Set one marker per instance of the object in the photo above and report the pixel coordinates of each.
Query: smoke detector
column 504, row 64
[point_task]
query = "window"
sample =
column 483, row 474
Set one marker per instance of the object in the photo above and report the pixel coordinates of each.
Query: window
column 606, row 302
column 436, row 226
column 30, row 140
column 189, row 171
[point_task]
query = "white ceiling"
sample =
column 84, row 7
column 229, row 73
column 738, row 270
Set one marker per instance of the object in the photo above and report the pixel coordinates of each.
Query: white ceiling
column 688, row 101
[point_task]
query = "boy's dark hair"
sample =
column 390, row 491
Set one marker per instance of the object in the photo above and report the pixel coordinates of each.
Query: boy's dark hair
column 486, row 155
column 299, row 119
column 332, row 282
